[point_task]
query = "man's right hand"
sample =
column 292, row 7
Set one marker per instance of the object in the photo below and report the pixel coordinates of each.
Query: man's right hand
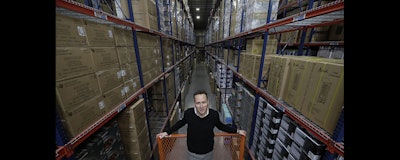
column 162, row 134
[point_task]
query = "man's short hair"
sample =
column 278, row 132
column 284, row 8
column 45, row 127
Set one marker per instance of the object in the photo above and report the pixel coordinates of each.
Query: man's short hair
column 200, row 92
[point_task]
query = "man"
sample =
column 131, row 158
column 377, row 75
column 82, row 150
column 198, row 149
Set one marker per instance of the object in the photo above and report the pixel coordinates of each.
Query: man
column 201, row 121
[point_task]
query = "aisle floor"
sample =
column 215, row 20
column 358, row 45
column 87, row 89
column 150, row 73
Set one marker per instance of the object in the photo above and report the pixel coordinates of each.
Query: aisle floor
column 199, row 80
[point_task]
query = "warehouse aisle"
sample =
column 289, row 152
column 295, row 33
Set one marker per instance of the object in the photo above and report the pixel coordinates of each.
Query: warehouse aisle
column 199, row 80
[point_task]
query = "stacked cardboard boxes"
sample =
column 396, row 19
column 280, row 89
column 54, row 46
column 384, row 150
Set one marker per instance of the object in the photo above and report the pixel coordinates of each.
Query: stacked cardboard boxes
column 134, row 131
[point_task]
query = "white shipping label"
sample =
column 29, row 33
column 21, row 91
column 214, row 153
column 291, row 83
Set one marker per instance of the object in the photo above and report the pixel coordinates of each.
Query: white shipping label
column 110, row 33
column 121, row 73
column 81, row 31
column 126, row 89
column 102, row 105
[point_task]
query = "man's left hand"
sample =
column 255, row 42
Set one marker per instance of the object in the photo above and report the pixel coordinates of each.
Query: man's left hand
column 242, row 132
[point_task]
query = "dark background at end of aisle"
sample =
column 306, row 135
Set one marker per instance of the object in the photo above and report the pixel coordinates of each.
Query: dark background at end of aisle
column 369, row 103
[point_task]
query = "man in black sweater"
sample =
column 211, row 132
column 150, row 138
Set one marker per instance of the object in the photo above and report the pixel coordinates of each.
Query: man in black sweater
column 201, row 121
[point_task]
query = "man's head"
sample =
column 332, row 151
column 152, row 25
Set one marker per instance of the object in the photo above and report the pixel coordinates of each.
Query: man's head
column 201, row 102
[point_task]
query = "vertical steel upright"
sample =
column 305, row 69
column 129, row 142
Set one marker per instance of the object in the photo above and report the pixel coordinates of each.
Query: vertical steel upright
column 312, row 31
column 173, row 46
column 162, row 60
column 61, row 137
column 257, row 96
column 279, row 49
column 139, row 66
column 240, row 42
column 226, row 70
column 176, row 22
column 240, row 39
column 230, row 19
column 337, row 136
column 223, row 28
column 304, row 31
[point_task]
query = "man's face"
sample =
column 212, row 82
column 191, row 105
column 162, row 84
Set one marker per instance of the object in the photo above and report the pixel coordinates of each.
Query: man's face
column 201, row 104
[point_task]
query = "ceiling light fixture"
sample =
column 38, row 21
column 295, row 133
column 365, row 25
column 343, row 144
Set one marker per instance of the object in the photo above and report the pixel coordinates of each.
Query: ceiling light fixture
column 197, row 9
column 197, row 17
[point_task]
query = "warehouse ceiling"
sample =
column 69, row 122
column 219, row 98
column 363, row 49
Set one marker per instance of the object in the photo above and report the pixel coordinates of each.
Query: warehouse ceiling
column 205, row 7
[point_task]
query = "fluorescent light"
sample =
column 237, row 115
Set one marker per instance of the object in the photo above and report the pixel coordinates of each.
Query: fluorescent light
column 197, row 17
column 197, row 9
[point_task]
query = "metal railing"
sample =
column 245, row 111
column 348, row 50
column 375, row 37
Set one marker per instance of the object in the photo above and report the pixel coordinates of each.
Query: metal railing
column 227, row 146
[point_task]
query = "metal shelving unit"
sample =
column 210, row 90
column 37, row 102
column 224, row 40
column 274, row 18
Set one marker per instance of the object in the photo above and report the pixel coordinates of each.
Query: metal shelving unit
column 324, row 15
column 325, row 43
column 65, row 147
column 332, row 145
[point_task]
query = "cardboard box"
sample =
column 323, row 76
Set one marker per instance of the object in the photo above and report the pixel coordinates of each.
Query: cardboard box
column 324, row 98
column 256, row 69
column 136, row 143
column 336, row 32
column 131, row 125
column 129, row 71
column 146, row 20
column 126, row 55
column 114, row 98
column 70, row 32
column 147, row 40
column 109, row 79
column 73, row 62
column 71, row 93
column 278, row 75
column 105, row 58
column 138, row 6
column 131, row 86
column 147, row 53
column 99, row 35
column 123, row 37
column 300, row 72
column 80, row 118
column 255, row 46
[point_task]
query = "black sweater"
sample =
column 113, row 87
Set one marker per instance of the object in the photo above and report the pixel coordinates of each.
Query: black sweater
column 200, row 131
